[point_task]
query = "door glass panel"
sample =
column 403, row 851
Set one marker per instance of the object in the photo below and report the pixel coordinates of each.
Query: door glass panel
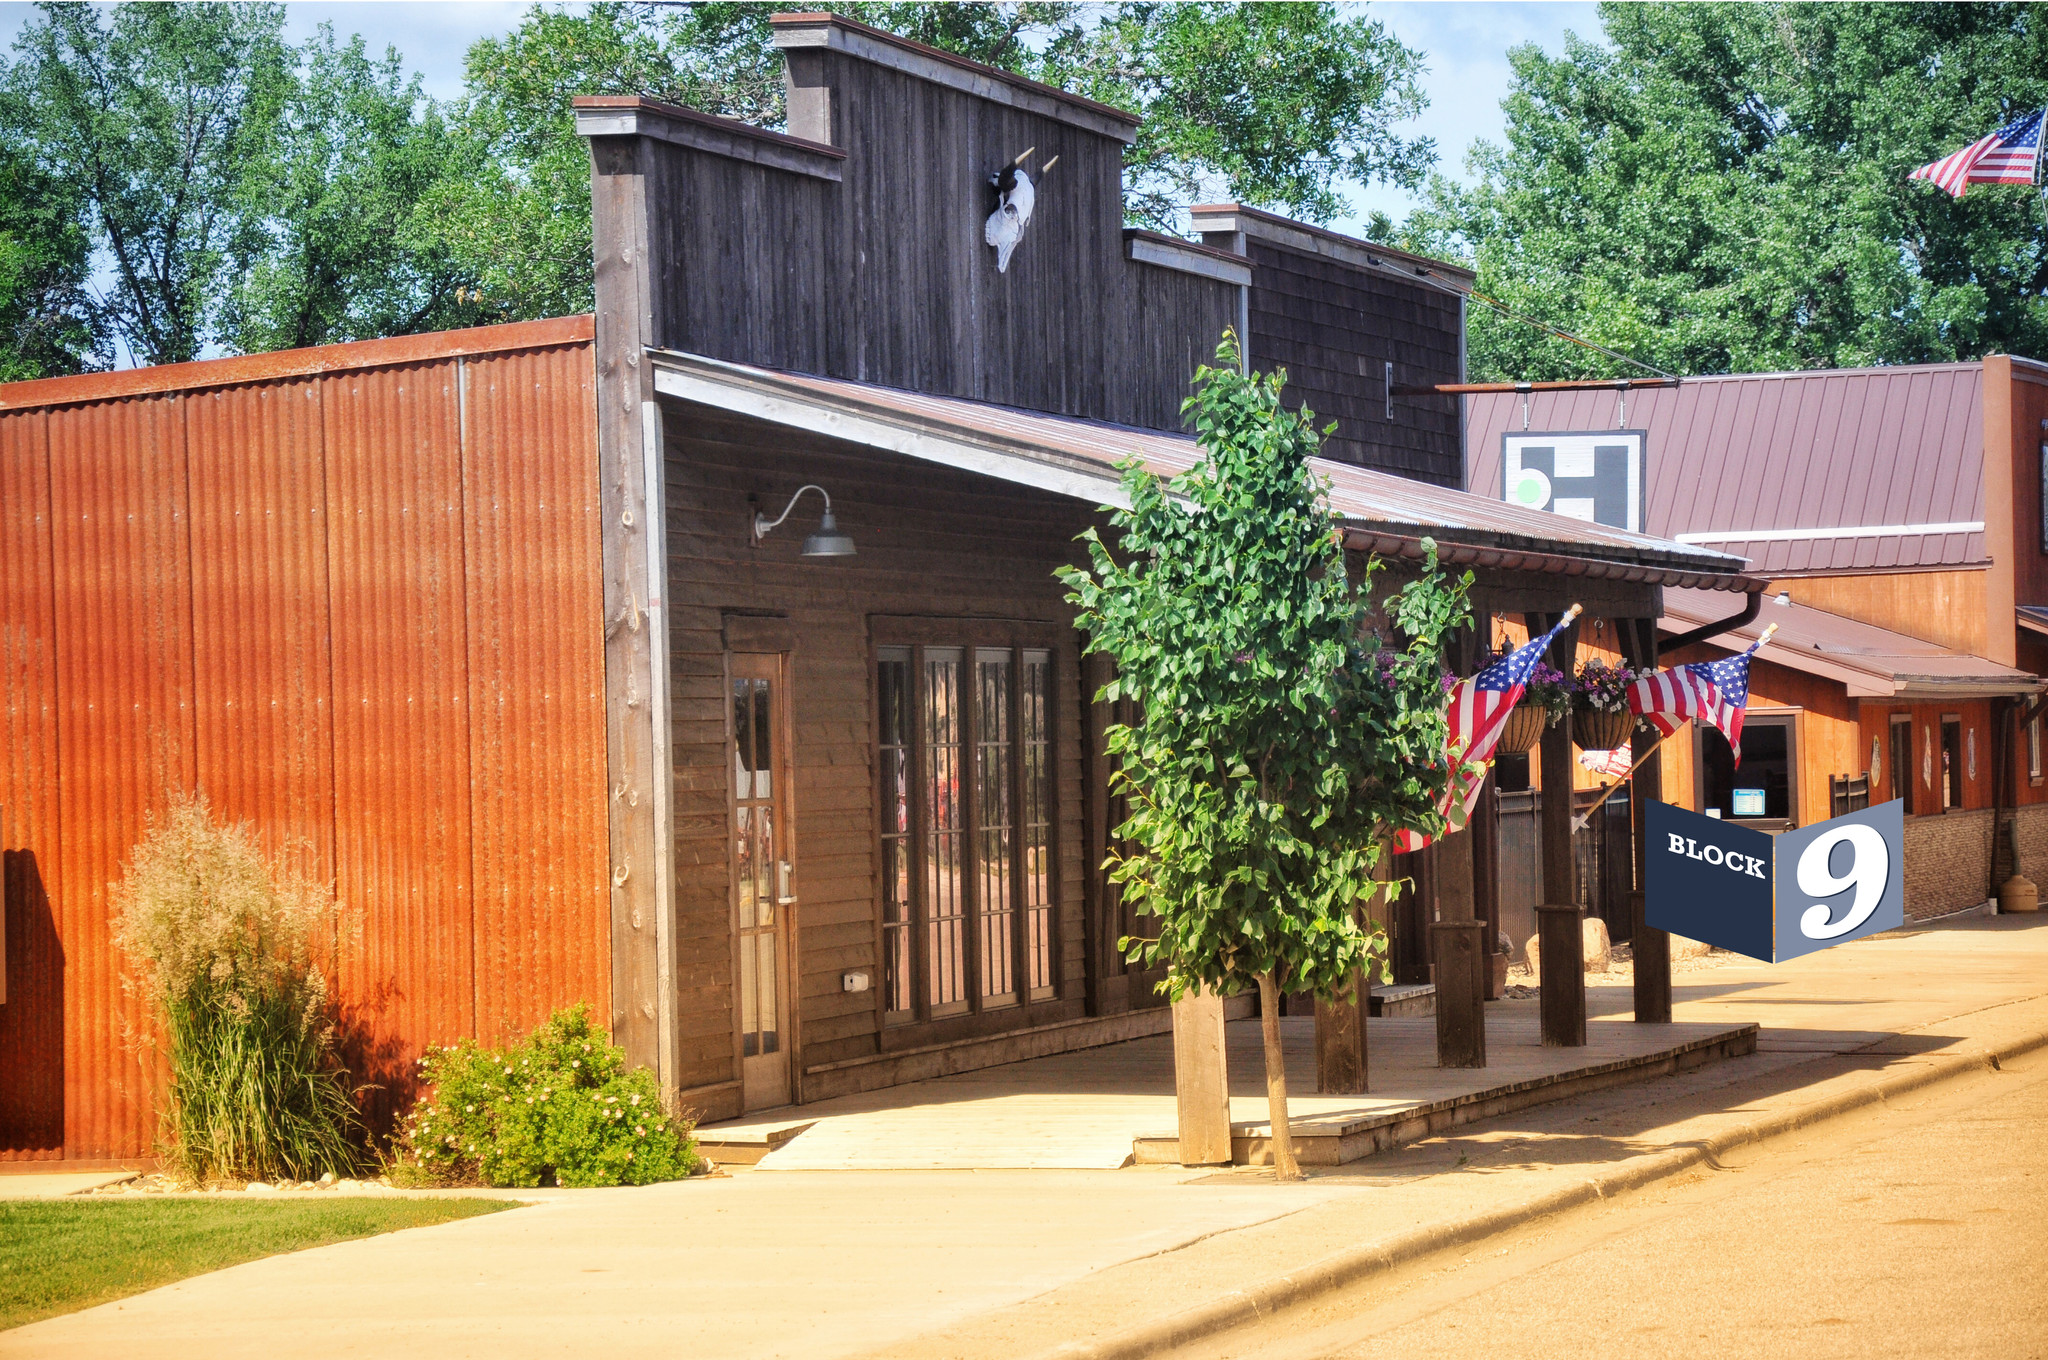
column 992, row 683
column 893, row 696
column 945, row 832
column 1036, row 752
column 755, row 867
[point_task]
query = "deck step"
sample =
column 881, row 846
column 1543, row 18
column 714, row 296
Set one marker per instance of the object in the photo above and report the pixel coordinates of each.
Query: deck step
column 1335, row 1139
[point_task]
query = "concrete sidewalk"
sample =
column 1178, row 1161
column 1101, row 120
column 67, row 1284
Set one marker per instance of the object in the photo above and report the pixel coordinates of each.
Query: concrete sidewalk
column 1105, row 1263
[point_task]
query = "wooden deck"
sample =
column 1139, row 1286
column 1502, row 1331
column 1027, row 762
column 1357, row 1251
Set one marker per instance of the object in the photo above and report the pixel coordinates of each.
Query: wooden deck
column 1108, row 1107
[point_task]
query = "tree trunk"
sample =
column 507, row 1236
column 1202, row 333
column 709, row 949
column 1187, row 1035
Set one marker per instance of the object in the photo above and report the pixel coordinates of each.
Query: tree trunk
column 1284, row 1167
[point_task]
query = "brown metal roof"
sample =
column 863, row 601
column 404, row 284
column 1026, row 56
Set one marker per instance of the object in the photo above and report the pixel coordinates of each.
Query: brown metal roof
column 1076, row 457
column 1790, row 460
column 1868, row 660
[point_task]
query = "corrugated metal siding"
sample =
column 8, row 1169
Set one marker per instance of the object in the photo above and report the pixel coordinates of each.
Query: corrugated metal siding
column 32, row 1021
column 537, row 753
column 1829, row 449
column 348, row 614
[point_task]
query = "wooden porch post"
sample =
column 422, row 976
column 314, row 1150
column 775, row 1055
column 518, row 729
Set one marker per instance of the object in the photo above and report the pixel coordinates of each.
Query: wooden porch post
column 1562, row 987
column 1201, row 1080
column 1650, row 948
column 1341, row 1050
column 1455, row 938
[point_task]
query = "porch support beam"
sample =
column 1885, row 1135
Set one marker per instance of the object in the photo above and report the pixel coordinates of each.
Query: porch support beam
column 1562, row 986
column 1201, row 1079
column 1651, row 949
column 1456, row 935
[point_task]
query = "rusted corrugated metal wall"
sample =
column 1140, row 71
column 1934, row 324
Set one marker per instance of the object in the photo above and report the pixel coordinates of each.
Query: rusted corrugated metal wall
column 352, row 595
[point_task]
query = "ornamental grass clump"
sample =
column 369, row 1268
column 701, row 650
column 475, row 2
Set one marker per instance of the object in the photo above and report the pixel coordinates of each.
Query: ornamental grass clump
column 562, row 1108
column 228, row 947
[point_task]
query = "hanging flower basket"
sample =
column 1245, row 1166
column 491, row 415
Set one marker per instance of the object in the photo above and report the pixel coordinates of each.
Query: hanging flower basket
column 1595, row 729
column 1524, row 727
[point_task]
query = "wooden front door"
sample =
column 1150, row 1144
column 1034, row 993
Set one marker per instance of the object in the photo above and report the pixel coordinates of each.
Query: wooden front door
column 763, row 876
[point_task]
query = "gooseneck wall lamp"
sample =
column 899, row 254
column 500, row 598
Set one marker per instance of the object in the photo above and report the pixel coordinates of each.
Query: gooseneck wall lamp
column 827, row 542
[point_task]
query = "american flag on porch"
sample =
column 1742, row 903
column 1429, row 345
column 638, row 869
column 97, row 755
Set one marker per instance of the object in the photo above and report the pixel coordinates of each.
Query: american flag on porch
column 1479, row 708
column 1619, row 761
column 2008, row 156
column 1715, row 692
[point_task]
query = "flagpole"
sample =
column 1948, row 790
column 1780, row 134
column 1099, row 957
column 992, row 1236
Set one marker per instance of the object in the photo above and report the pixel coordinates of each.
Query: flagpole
column 1579, row 822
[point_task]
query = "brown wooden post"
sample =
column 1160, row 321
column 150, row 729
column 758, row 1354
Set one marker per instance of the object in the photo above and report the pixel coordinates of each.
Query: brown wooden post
column 1340, row 1041
column 1650, row 948
column 1201, row 1080
column 1561, row 989
column 1455, row 937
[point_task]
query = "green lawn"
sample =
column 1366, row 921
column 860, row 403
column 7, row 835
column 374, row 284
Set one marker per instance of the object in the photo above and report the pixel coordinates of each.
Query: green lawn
column 57, row 1256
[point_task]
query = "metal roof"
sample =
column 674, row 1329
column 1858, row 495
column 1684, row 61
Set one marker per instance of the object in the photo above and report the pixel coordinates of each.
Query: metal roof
column 1839, row 470
column 1076, row 457
column 1871, row 662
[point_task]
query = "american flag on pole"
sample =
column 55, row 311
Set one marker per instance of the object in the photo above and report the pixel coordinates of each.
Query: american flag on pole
column 1619, row 761
column 1479, row 708
column 2010, row 155
column 1715, row 692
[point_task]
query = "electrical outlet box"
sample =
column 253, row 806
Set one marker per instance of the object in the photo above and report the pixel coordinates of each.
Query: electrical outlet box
column 853, row 982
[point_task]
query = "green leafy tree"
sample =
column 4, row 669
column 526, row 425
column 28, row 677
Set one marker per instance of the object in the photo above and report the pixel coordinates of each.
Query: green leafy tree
column 345, row 250
column 1287, row 728
column 1723, row 188
column 1279, row 105
column 163, row 116
column 47, row 323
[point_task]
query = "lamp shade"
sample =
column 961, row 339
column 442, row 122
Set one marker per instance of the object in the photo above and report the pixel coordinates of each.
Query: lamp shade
column 828, row 541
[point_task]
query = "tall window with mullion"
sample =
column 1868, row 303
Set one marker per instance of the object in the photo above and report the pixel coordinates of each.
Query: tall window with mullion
column 968, row 861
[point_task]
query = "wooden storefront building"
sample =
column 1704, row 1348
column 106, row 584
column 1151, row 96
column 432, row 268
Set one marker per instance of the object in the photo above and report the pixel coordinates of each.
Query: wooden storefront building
column 502, row 621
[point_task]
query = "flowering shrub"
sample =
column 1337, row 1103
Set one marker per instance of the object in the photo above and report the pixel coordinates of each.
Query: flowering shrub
column 1604, row 688
column 561, row 1108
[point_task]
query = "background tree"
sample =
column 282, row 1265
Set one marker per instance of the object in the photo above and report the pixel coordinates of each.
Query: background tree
column 341, row 246
column 1282, row 738
column 162, row 115
column 1725, row 190
column 47, row 323
column 1279, row 105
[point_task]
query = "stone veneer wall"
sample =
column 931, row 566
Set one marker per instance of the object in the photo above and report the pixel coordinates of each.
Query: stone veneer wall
column 1948, row 857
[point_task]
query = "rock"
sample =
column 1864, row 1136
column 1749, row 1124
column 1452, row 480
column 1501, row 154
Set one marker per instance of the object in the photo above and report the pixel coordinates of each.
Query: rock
column 327, row 1178
column 1595, row 945
column 1533, row 952
column 1682, row 948
column 260, row 1188
column 1503, row 945
column 384, row 1181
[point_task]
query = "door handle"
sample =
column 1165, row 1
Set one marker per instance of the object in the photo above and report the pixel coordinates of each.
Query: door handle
column 782, row 893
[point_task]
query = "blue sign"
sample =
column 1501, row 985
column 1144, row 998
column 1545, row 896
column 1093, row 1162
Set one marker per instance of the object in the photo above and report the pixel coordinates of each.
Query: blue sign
column 1775, row 897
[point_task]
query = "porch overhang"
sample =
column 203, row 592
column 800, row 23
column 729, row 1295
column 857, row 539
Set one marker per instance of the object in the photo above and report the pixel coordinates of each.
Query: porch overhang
column 1869, row 662
column 1381, row 513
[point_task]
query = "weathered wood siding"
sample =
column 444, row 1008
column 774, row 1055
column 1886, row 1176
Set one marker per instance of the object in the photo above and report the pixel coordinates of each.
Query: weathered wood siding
column 931, row 542
column 1334, row 327
column 884, row 276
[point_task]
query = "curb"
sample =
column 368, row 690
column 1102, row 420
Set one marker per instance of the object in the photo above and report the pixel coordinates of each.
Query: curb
column 1334, row 1272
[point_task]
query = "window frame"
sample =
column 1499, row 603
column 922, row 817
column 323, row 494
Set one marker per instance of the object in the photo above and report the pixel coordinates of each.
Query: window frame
column 1776, row 716
column 924, row 1022
column 1955, row 789
column 1905, row 773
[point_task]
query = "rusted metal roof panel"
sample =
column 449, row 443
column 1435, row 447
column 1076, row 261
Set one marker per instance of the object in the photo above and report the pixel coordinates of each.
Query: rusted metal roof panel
column 1868, row 660
column 1080, row 457
column 355, row 603
column 32, row 1020
column 1831, row 471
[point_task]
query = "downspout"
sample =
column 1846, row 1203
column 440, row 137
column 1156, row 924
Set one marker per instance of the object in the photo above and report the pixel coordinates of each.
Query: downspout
column 1729, row 624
